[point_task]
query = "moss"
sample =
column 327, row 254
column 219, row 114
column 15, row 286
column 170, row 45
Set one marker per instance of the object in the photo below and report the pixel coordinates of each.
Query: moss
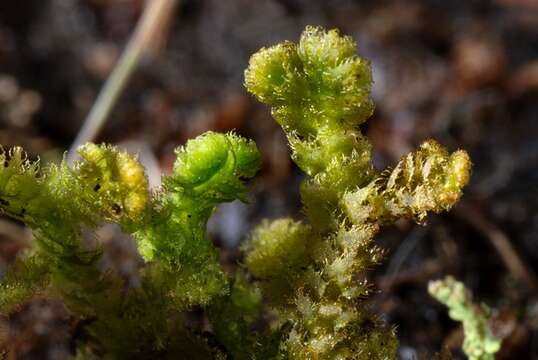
column 479, row 342
column 299, row 293
column 108, row 185
column 319, row 91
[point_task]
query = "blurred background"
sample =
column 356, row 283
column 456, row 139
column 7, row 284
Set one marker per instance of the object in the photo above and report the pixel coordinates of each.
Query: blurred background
column 463, row 72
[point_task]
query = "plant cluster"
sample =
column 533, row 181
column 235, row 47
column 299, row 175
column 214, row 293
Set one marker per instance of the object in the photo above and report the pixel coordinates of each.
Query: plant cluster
column 302, row 292
column 479, row 343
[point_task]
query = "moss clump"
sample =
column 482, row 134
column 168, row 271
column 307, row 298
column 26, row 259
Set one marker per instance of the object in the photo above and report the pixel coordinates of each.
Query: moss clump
column 301, row 277
column 319, row 91
column 479, row 342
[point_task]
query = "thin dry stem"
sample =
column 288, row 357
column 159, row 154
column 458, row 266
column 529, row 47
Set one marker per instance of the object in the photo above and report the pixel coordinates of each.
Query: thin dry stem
column 500, row 241
column 156, row 13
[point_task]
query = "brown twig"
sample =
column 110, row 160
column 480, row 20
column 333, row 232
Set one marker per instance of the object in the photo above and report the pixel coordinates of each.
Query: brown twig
column 501, row 243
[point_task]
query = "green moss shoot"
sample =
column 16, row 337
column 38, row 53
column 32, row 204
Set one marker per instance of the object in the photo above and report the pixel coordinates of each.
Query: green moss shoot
column 300, row 293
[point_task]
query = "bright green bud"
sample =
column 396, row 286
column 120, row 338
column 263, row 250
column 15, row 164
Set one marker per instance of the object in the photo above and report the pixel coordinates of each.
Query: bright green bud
column 213, row 166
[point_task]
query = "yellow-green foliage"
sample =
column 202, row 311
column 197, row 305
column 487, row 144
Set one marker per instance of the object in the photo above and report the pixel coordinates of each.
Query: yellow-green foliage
column 319, row 91
column 306, row 278
column 429, row 179
column 479, row 343
column 209, row 170
column 119, row 180
column 108, row 185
